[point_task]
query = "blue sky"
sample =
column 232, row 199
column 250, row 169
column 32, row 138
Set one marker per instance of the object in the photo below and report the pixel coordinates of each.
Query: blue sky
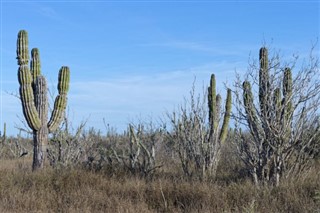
column 132, row 59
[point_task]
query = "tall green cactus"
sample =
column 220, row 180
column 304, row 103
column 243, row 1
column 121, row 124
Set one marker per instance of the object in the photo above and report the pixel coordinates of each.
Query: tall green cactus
column 216, row 136
column 214, row 104
column 33, row 95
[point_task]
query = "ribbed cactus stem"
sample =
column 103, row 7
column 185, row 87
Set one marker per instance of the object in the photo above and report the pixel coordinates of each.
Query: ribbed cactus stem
column 40, row 137
column 217, row 112
column 287, row 83
column 247, row 95
column 277, row 103
column 287, row 96
column 22, row 48
column 252, row 118
column 60, row 103
column 212, row 104
column 27, row 98
column 226, row 119
column 63, row 80
column 41, row 99
column 35, row 66
column 263, row 81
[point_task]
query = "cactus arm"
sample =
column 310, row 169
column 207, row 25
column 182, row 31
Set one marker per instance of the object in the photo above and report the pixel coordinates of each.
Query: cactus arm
column 25, row 81
column 287, row 102
column 60, row 103
column 252, row 118
column 226, row 119
column 217, row 112
column 277, row 104
column 212, row 102
column 63, row 80
column 287, row 92
column 22, row 48
column 27, row 98
column 35, row 66
column 263, row 82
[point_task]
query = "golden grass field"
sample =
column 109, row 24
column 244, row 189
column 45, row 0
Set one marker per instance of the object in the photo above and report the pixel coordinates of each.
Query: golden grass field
column 82, row 190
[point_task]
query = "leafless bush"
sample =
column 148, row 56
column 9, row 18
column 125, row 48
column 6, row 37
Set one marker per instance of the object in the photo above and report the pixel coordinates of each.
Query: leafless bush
column 281, row 114
column 135, row 150
column 196, row 136
column 71, row 149
column 15, row 147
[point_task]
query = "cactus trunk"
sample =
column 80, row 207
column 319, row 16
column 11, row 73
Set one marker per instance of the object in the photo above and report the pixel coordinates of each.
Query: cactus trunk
column 40, row 137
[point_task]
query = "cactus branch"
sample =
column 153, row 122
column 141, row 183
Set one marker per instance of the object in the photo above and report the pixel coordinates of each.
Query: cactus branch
column 225, row 124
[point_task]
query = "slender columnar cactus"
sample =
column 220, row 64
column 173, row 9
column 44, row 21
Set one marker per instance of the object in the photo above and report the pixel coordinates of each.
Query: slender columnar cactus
column 277, row 104
column 25, row 81
column 214, row 103
column 212, row 100
column 217, row 136
column 226, row 119
column 264, row 83
column 287, row 94
column 252, row 118
column 61, row 100
column 33, row 95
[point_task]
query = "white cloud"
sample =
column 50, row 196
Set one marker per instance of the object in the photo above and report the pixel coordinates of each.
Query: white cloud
column 125, row 97
column 49, row 13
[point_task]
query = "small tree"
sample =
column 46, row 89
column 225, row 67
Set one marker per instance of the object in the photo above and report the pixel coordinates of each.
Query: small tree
column 197, row 135
column 280, row 121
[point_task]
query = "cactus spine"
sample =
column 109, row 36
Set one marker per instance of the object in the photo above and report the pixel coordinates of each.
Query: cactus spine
column 33, row 94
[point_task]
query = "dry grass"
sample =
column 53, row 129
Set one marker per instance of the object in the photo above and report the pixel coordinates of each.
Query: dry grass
column 79, row 190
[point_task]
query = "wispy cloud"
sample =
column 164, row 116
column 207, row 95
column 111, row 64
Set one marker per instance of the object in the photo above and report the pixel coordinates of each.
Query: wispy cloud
column 125, row 97
column 196, row 46
column 122, row 98
column 181, row 45
column 49, row 12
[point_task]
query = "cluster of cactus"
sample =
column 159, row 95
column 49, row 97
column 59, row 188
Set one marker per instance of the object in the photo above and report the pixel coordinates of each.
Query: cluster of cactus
column 217, row 136
column 272, row 124
column 214, row 104
column 274, row 105
column 33, row 95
